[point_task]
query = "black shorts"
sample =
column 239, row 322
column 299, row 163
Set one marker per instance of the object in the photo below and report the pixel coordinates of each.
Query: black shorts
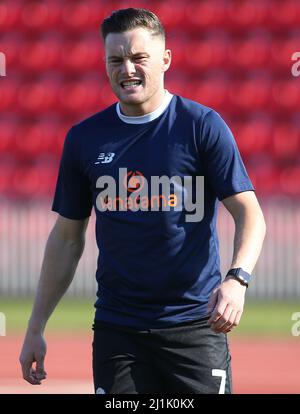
column 186, row 358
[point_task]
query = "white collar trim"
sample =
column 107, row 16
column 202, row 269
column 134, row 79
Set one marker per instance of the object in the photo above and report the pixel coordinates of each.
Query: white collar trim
column 147, row 117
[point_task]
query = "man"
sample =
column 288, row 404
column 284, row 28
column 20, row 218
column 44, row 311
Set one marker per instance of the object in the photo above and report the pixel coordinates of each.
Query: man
column 162, row 314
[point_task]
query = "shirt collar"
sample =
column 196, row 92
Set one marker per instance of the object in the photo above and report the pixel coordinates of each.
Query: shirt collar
column 142, row 119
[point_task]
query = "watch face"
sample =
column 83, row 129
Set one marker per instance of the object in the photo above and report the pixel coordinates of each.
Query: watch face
column 242, row 280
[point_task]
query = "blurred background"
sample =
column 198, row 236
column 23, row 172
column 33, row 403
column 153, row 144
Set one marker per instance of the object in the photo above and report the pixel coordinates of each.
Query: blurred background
column 234, row 56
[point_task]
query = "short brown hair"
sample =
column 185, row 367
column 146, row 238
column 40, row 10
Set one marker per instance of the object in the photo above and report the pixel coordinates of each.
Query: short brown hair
column 127, row 19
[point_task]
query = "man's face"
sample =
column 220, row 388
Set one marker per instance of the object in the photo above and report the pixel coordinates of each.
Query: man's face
column 135, row 64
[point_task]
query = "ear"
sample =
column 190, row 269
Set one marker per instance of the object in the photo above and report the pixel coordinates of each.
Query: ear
column 167, row 58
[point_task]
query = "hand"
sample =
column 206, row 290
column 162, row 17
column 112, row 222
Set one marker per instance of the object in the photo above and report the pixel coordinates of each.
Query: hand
column 226, row 305
column 34, row 350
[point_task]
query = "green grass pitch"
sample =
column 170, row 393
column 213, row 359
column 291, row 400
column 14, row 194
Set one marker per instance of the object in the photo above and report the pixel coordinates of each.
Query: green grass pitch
column 268, row 318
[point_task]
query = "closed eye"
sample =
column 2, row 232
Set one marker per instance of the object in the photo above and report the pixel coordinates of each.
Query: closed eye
column 134, row 59
column 116, row 61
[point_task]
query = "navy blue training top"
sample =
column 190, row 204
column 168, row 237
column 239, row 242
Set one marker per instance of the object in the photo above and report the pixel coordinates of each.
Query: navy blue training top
column 155, row 269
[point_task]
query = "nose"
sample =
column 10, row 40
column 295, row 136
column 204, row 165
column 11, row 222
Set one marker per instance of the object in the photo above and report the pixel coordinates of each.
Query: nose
column 128, row 67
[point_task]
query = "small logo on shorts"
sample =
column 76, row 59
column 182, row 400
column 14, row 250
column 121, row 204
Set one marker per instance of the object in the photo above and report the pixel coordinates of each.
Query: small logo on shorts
column 100, row 391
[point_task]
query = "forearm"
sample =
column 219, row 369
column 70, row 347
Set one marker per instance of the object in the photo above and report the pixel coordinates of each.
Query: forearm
column 227, row 301
column 249, row 235
column 59, row 264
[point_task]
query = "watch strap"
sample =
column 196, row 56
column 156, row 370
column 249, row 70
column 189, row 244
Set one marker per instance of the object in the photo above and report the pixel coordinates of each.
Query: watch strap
column 241, row 275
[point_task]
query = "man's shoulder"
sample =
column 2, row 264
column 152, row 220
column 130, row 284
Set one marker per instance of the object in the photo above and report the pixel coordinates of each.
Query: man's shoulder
column 97, row 120
column 203, row 115
column 193, row 108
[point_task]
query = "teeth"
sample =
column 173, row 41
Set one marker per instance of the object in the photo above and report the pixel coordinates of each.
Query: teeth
column 131, row 83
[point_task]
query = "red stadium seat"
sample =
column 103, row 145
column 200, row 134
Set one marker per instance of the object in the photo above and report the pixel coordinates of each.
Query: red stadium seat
column 285, row 144
column 207, row 53
column 30, row 181
column 48, row 176
column 10, row 44
column 7, row 167
column 107, row 96
column 8, row 93
column 39, row 96
column 285, row 14
column 41, row 15
column 282, row 50
column 77, row 15
column 286, row 94
column 290, row 181
column 197, row 55
column 84, row 54
column 253, row 136
column 10, row 14
column 43, row 54
column 247, row 14
column 252, row 51
column 212, row 92
column 85, row 15
column 253, row 93
column 207, row 14
column 8, row 130
column 177, row 42
column 178, row 83
column 265, row 178
column 25, row 181
column 62, row 130
column 83, row 95
column 171, row 15
column 36, row 139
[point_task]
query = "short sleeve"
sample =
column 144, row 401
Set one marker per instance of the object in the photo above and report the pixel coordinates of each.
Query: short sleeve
column 73, row 196
column 223, row 166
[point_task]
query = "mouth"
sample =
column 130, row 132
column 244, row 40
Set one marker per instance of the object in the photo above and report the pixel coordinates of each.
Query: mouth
column 131, row 84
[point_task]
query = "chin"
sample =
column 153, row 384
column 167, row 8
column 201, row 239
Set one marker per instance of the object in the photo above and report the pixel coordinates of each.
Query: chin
column 134, row 100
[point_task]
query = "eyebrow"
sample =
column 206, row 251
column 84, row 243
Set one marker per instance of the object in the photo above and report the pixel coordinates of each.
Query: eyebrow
column 131, row 55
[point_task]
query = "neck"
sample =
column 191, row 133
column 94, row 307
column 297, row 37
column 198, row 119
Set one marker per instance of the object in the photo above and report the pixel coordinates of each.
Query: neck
column 146, row 107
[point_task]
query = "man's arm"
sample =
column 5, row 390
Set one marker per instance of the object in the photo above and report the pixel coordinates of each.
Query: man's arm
column 63, row 251
column 227, row 301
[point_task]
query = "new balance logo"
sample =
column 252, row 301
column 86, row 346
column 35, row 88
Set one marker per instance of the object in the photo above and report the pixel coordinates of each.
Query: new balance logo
column 105, row 157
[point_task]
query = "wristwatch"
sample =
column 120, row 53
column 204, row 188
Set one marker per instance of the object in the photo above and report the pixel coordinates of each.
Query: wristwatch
column 239, row 274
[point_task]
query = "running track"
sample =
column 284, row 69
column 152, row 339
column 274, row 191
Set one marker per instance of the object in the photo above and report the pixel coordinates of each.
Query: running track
column 259, row 366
